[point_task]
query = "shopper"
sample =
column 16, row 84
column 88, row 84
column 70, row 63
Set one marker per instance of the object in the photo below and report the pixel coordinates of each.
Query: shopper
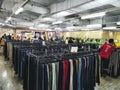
column 12, row 37
column 105, row 53
column 2, row 41
column 70, row 40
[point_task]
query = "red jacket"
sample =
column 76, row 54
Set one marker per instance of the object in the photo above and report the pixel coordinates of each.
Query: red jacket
column 106, row 50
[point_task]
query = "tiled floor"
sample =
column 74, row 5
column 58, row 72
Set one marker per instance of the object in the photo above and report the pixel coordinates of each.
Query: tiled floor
column 7, row 78
column 9, row 82
column 109, row 83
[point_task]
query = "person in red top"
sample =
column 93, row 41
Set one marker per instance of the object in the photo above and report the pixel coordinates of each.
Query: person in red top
column 105, row 53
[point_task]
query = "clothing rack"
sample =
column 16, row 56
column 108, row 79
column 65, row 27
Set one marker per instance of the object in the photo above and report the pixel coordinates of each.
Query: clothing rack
column 114, row 63
column 39, row 59
column 58, row 55
column 11, row 44
column 23, row 51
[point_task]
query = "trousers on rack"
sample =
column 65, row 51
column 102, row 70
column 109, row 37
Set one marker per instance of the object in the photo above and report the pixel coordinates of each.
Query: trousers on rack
column 104, row 66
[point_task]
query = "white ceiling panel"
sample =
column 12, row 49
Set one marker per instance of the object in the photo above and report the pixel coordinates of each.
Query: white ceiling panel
column 93, row 4
column 67, row 5
column 40, row 10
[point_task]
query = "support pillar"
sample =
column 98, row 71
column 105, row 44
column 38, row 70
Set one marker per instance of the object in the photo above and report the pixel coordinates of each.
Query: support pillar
column 14, row 33
column 46, row 35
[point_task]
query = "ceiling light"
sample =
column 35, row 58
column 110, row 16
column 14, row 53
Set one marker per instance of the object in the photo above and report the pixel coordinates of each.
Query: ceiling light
column 118, row 23
column 49, row 29
column 101, row 14
column 48, row 19
column 8, row 19
column 85, row 28
column 74, row 28
column 31, row 27
column 94, row 26
column 61, row 14
column 57, row 22
column 19, row 10
column 109, row 28
column 43, row 26
column 2, row 24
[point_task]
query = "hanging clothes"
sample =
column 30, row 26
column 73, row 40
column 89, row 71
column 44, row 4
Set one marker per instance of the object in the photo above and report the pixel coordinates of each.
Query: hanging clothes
column 72, row 74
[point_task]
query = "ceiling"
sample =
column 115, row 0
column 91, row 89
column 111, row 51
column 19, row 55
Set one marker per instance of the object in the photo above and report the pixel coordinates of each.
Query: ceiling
column 45, row 14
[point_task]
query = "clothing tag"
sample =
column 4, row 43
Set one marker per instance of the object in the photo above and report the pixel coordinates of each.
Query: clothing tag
column 43, row 43
column 74, row 49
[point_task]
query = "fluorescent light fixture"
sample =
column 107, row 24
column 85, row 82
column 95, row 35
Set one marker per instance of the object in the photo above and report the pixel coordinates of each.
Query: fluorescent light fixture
column 118, row 23
column 74, row 28
column 2, row 24
column 43, row 26
column 94, row 26
column 61, row 14
column 49, row 30
column 102, row 1
column 58, row 29
column 100, row 14
column 19, row 10
column 8, row 19
column 32, row 27
column 69, row 28
column 85, row 29
column 57, row 22
column 106, row 28
column 48, row 19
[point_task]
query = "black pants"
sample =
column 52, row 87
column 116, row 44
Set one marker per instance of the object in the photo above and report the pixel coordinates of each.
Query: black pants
column 104, row 66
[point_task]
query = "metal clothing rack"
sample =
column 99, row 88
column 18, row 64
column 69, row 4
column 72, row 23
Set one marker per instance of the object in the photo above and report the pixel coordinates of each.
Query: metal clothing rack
column 37, row 59
column 52, row 59
column 40, row 50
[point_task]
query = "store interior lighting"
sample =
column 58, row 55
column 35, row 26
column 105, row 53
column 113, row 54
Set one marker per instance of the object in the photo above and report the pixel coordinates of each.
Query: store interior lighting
column 61, row 14
column 107, row 28
column 100, row 14
column 19, row 10
column 94, row 26
column 8, row 19
column 48, row 19
column 118, row 23
column 2, row 24
column 102, row 1
column 31, row 27
column 57, row 22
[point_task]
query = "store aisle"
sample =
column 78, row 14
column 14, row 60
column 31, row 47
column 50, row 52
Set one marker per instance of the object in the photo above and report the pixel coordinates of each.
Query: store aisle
column 109, row 83
column 7, row 79
column 9, row 82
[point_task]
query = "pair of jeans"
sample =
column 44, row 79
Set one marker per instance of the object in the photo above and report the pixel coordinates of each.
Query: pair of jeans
column 104, row 66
